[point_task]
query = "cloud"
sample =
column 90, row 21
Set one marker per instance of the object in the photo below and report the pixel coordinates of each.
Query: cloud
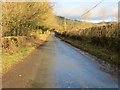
column 75, row 11
column 83, row 0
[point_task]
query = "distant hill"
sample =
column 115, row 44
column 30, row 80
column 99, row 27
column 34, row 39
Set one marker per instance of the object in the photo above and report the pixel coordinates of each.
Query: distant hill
column 74, row 24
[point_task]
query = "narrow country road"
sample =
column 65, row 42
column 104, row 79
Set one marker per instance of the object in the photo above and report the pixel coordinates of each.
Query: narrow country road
column 58, row 65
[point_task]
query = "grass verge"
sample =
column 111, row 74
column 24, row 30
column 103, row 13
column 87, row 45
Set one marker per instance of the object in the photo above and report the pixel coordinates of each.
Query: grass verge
column 9, row 61
column 99, row 52
column 22, row 50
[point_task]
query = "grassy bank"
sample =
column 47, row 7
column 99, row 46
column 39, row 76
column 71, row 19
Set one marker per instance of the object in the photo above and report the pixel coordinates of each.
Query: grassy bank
column 18, row 48
column 99, row 52
column 9, row 61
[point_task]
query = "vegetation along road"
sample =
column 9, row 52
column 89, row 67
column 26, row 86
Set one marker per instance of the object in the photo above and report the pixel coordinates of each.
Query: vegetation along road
column 58, row 64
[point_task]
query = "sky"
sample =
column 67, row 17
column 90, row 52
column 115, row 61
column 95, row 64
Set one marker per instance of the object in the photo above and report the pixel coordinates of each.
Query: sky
column 73, row 9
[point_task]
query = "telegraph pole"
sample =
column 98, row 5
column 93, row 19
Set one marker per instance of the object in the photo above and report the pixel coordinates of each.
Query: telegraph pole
column 65, row 24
